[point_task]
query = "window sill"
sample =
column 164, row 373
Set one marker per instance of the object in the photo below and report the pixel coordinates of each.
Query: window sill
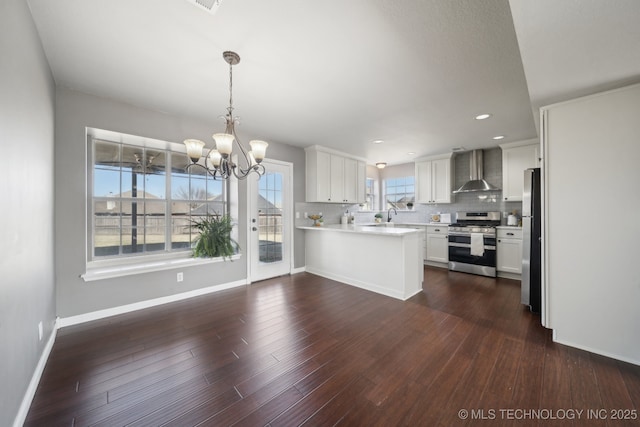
column 109, row 272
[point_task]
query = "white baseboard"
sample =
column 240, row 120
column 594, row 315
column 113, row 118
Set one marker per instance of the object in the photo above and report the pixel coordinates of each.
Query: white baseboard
column 436, row 264
column 507, row 275
column 362, row 285
column 21, row 416
column 101, row 314
column 594, row 350
column 298, row 270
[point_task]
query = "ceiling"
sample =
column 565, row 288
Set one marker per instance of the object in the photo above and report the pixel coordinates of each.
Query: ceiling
column 413, row 73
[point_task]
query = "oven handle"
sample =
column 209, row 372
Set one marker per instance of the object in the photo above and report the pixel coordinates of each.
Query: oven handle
column 463, row 234
column 466, row 245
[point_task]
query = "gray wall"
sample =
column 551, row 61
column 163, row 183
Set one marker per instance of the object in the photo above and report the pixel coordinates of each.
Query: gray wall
column 26, row 218
column 74, row 112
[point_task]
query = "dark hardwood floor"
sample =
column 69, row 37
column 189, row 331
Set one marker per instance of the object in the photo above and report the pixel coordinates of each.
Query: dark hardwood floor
column 306, row 350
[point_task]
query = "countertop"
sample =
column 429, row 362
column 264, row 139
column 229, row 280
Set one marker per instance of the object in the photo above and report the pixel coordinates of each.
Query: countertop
column 400, row 224
column 363, row 229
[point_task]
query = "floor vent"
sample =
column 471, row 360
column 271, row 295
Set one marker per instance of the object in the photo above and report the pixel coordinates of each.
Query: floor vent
column 210, row 6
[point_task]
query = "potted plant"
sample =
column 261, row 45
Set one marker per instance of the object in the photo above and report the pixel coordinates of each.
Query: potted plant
column 215, row 237
column 378, row 217
column 410, row 205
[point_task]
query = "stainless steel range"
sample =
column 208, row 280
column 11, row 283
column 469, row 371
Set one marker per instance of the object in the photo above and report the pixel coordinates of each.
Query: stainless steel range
column 472, row 243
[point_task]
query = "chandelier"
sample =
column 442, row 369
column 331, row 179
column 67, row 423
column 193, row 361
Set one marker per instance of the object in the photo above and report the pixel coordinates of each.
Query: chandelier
column 218, row 161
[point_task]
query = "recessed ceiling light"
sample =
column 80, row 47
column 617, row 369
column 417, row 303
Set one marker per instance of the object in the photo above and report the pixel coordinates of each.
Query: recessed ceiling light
column 410, row 153
column 378, row 141
column 499, row 137
column 483, row 116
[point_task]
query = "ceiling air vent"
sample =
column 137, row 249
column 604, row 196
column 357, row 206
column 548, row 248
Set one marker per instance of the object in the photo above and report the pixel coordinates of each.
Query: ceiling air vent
column 210, row 6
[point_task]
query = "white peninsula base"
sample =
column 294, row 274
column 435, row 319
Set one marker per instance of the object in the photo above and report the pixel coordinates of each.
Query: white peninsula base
column 386, row 261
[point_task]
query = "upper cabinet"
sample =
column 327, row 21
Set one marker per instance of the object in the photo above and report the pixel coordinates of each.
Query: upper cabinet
column 434, row 177
column 516, row 158
column 334, row 177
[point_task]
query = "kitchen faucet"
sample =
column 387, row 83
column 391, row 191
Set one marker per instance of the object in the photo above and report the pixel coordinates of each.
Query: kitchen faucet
column 389, row 214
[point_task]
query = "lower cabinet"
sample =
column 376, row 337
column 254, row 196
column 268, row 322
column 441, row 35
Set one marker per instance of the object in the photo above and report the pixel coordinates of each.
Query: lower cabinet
column 509, row 250
column 437, row 244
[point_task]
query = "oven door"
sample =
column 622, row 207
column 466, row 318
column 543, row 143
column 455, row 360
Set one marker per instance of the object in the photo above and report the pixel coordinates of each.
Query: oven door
column 460, row 251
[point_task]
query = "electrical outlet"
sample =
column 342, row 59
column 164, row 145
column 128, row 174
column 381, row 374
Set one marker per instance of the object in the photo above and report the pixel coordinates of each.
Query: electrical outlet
column 180, row 276
column 40, row 331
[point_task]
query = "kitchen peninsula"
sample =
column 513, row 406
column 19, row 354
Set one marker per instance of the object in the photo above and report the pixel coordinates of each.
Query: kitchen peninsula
column 386, row 260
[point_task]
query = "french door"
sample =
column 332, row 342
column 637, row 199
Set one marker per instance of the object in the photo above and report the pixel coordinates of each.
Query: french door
column 270, row 224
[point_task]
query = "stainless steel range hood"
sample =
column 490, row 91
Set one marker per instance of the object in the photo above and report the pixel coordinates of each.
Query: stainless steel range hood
column 476, row 182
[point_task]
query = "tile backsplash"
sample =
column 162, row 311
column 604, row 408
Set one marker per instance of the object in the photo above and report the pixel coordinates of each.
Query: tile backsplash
column 483, row 201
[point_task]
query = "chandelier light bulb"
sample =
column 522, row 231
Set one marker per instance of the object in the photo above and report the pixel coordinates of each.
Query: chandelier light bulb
column 194, row 149
column 224, row 143
column 215, row 158
column 252, row 159
column 259, row 149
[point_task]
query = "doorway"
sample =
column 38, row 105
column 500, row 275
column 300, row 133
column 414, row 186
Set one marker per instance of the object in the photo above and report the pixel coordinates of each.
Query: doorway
column 270, row 224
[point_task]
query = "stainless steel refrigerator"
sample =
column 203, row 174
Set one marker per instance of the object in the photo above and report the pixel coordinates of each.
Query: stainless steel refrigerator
column 531, row 240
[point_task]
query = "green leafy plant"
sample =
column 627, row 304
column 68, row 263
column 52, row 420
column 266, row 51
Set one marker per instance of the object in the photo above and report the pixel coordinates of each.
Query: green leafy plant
column 378, row 215
column 215, row 237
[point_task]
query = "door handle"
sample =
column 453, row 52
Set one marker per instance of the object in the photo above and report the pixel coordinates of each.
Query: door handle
column 254, row 229
column 253, row 220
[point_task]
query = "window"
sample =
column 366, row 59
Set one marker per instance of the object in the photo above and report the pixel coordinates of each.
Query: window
column 142, row 198
column 399, row 192
column 370, row 203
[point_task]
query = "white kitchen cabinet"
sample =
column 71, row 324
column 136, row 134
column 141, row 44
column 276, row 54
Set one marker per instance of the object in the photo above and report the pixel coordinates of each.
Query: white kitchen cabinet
column 434, row 179
column 351, row 176
column 509, row 251
column 516, row 158
column 334, row 178
column 437, row 244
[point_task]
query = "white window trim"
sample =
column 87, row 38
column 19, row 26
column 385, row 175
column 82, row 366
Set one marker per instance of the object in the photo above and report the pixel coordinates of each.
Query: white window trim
column 148, row 266
column 130, row 265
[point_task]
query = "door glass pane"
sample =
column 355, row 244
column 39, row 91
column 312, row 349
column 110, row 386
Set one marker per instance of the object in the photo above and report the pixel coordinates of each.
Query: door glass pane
column 270, row 217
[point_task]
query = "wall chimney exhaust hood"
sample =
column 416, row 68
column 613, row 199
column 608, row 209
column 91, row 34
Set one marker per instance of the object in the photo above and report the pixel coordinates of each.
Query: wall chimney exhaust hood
column 476, row 182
